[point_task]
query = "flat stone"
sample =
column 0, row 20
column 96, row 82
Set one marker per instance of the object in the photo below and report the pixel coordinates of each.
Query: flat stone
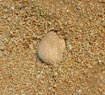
column 51, row 48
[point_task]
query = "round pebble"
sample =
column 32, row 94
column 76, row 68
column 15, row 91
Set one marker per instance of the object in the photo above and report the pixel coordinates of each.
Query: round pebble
column 51, row 48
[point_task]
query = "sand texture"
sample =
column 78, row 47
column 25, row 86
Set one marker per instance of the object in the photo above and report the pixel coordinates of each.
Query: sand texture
column 81, row 23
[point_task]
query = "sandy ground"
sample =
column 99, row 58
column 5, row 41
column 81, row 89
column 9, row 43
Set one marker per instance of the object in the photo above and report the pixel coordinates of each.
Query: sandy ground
column 22, row 25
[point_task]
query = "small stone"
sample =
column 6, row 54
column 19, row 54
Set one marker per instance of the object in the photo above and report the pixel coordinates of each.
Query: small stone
column 68, row 45
column 9, row 19
column 51, row 48
column 12, row 8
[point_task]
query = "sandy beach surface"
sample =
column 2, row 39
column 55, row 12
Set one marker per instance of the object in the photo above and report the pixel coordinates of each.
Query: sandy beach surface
column 81, row 23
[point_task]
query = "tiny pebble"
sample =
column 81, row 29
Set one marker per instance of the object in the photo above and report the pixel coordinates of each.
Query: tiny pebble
column 12, row 8
column 68, row 45
column 51, row 48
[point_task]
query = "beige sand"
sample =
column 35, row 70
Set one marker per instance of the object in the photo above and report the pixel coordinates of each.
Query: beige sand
column 22, row 25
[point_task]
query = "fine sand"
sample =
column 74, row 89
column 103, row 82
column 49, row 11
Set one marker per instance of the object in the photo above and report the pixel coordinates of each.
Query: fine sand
column 81, row 23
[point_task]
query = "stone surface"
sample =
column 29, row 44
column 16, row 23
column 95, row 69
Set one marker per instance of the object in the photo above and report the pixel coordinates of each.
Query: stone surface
column 51, row 48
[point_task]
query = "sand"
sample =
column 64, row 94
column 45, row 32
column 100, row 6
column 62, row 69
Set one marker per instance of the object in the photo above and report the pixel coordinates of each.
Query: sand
column 22, row 25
